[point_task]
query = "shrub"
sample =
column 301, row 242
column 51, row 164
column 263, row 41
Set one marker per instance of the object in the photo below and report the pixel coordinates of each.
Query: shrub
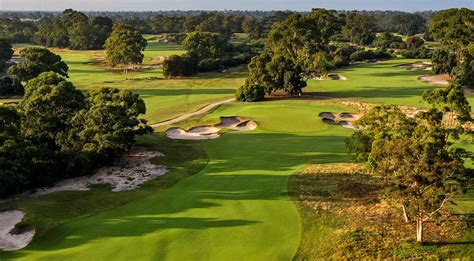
column 9, row 86
column 386, row 39
column 178, row 66
column 250, row 93
column 414, row 42
column 363, row 55
column 420, row 53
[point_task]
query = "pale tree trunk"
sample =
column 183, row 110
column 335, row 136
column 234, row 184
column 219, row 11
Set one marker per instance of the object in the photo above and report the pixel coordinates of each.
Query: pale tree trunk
column 419, row 230
column 406, row 217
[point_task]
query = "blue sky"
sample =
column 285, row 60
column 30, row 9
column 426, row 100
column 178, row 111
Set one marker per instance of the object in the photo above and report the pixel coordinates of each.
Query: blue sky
column 152, row 5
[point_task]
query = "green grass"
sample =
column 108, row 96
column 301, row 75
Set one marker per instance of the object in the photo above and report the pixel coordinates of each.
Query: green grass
column 236, row 207
column 165, row 98
column 377, row 83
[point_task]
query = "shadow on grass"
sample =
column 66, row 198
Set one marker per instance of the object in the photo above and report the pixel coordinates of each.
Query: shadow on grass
column 242, row 167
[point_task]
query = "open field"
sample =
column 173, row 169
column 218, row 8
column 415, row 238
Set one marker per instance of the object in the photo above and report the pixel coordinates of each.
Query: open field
column 225, row 198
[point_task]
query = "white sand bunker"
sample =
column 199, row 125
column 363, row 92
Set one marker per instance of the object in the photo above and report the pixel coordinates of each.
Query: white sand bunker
column 332, row 76
column 343, row 119
column 11, row 238
column 416, row 66
column 133, row 169
column 441, row 79
column 212, row 132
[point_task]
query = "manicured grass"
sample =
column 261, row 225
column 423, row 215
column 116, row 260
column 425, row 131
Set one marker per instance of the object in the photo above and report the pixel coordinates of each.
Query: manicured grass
column 236, row 207
column 165, row 98
column 379, row 82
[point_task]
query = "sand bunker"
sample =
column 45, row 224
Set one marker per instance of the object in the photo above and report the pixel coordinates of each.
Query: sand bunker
column 416, row 66
column 133, row 169
column 441, row 79
column 332, row 76
column 343, row 119
column 212, row 132
column 10, row 238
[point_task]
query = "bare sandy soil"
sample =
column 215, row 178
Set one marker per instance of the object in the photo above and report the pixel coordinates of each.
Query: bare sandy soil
column 343, row 119
column 420, row 65
column 441, row 79
column 132, row 170
column 9, row 238
column 212, row 132
column 332, row 76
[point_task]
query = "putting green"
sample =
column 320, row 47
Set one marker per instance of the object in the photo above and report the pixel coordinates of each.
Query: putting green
column 237, row 207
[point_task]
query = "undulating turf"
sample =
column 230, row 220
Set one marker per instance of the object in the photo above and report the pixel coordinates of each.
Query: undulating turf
column 237, row 207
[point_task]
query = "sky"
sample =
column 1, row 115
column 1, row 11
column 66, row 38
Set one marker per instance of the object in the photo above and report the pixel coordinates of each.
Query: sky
column 298, row 5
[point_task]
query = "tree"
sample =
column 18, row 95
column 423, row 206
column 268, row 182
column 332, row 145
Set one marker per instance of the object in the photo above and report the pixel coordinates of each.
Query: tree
column 102, row 27
column 204, row 45
column 47, row 107
column 124, row 46
column 36, row 61
column 424, row 172
column 252, row 27
column 453, row 26
column 408, row 24
column 108, row 125
column 444, row 60
column 386, row 40
column 414, row 42
column 9, row 86
column 300, row 37
column 52, row 32
column 178, row 66
column 360, row 28
column 415, row 156
column 6, row 52
column 250, row 93
column 274, row 71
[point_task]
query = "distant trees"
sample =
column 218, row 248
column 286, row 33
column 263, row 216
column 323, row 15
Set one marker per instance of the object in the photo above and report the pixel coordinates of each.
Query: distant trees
column 6, row 53
column 73, row 30
column 204, row 45
column 252, row 27
column 360, row 28
column 408, row 24
column 415, row 156
column 386, row 40
column 36, row 61
column 17, row 31
column 124, row 47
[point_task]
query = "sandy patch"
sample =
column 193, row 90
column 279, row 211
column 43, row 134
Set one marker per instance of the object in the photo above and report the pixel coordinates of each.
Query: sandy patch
column 416, row 66
column 331, row 76
column 212, row 132
column 9, row 238
column 343, row 119
column 441, row 79
column 132, row 170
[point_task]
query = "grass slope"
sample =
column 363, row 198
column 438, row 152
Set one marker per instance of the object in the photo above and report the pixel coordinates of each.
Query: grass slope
column 236, row 207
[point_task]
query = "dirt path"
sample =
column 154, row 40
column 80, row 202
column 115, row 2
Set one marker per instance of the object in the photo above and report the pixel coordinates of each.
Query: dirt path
column 189, row 115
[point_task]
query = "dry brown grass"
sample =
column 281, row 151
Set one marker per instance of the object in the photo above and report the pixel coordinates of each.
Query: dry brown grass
column 372, row 223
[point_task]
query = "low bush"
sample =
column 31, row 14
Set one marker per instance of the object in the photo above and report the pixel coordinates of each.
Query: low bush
column 250, row 93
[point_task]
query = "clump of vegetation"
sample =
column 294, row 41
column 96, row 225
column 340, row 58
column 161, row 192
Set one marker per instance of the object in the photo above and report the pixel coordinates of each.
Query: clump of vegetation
column 250, row 93
column 36, row 61
column 369, row 55
column 56, row 132
column 124, row 47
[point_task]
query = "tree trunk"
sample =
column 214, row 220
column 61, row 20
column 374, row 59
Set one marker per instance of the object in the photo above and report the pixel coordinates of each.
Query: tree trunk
column 419, row 230
column 406, row 218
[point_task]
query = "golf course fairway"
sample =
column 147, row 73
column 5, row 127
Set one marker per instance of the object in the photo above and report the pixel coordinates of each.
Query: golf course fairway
column 236, row 208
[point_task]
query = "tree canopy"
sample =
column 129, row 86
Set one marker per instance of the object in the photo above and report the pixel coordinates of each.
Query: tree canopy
column 124, row 46
column 36, row 61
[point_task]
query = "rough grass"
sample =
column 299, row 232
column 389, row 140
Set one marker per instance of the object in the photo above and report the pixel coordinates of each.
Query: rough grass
column 344, row 203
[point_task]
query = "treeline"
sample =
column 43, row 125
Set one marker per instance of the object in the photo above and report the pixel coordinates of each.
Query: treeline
column 206, row 52
column 33, row 26
column 57, row 132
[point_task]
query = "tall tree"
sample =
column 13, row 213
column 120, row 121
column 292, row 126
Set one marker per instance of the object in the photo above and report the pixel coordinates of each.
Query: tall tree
column 36, row 61
column 204, row 45
column 252, row 27
column 408, row 24
column 49, row 103
column 124, row 46
column 108, row 125
column 360, row 28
